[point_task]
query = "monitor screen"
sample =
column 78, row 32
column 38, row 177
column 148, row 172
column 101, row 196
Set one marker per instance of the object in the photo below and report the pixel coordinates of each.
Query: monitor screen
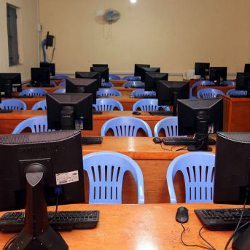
column 69, row 111
column 232, row 168
column 247, row 68
column 243, row 82
column 89, row 75
column 218, row 74
column 152, row 78
column 50, row 66
column 40, row 77
column 81, row 85
column 138, row 68
column 201, row 69
column 104, row 71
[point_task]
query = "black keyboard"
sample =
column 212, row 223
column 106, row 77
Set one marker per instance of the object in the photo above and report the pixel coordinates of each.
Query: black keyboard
column 161, row 112
column 179, row 140
column 2, row 111
column 238, row 96
column 144, row 97
column 222, row 219
column 91, row 140
column 61, row 221
column 95, row 112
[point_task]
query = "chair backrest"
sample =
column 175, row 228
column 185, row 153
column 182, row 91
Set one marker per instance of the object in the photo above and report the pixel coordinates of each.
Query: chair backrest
column 169, row 125
column 142, row 93
column 229, row 83
column 40, row 105
column 63, row 90
column 105, row 172
column 62, row 84
column 107, row 104
column 36, row 124
column 196, row 84
column 33, row 92
column 114, row 77
column 209, row 93
column 236, row 92
column 134, row 84
column 125, row 126
column 108, row 92
column 132, row 78
column 107, row 85
column 148, row 105
column 198, row 172
column 13, row 104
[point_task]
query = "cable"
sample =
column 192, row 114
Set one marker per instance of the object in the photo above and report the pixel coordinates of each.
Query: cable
column 212, row 247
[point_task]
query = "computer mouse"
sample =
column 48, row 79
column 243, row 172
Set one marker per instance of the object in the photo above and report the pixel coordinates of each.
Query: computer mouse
column 136, row 113
column 157, row 140
column 182, row 215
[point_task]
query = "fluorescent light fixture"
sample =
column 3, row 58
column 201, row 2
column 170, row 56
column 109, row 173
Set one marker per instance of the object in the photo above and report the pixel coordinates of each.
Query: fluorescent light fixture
column 133, row 1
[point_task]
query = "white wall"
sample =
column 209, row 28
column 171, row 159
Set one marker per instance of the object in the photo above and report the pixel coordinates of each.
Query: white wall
column 28, row 36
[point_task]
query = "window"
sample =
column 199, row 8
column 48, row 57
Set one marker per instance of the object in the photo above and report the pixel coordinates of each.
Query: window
column 12, row 35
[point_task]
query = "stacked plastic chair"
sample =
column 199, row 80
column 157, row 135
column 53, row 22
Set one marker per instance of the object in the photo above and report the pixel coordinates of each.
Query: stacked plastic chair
column 209, row 93
column 148, row 105
column 107, row 104
column 40, row 105
column 140, row 93
column 169, row 125
column 13, row 104
column 33, row 92
column 108, row 92
column 199, row 83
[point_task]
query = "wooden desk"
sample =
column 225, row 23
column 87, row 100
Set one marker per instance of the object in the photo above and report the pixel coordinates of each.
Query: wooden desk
column 138, row 227
column 222, row 88
column 236, row 114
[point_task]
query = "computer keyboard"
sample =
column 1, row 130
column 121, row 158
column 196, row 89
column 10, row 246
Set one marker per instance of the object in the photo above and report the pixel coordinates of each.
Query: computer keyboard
column 161, row 112
column 2, row 111
column 95, row 112
column 238, row 96
column 182, row 140
column 61, row 221
column 91, row 140
column 222, row 219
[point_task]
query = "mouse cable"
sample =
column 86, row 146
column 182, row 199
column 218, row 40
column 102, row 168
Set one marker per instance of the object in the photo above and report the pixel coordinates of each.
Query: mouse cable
column 192, row 245
column 212, row 247
column 237, row 227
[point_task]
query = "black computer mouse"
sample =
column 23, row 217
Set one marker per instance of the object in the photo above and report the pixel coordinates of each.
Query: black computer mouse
column 241, row 240
column 136, row 113
column 182, row 215
column 157, row 140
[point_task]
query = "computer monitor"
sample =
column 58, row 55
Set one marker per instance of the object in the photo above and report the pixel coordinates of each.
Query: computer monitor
column 69, row 111
column 146, row 69
column 232, row 168
column 217, row 74
column 201, row 69
column 9, row 82
column 243, row 82
column 247, row 68
column 50, row 66
column 104, row 71
column 40, row 77
column 36, row 170
column 152, row 78
column 89, row 75
column 81, row 85
column 169, row 91
column 138, row 68
column 200, row 117
column 100, row 65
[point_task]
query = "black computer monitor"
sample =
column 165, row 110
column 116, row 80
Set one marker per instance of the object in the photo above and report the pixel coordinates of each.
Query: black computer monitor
column 243, row 82
column 89, row 75
column 247, row 68
column 200, row 117
column 40, row 77
column 50, row 66
column 169, row 91
column 232, row 168
column 100, row 65
column 146, row 69
column 69, row 111
column 138, row 69
column 36, row 170
column 201, row 69
column 152, row 78
column 81, row 85
column 104, row 71
column 9, row 82
column 217, row 74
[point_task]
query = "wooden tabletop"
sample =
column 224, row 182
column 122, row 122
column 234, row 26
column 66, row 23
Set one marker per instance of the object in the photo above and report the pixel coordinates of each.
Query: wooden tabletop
column 136, row 227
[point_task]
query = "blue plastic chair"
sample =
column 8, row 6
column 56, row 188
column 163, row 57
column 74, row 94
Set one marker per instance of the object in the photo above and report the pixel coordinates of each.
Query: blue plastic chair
column 13, row 104
column 62, row 84
column 229, row 83
column 148, row 105
column 63, row 91
column 108, row 92
column 37, row 124
column 105, row 172
column 169, row 125
column 40, row 105
column 132, row 78
column 114, row 77
column 142, row 93
column 125, row 126
column 134, row 84
column 198, row 172
column 33, row 92
column 107, row 85
column 107, row 104
column 195, row 85
column 236, row 92
column 209, row 93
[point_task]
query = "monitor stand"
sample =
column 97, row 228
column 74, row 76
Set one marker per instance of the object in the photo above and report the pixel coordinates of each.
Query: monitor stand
column 37, row 233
